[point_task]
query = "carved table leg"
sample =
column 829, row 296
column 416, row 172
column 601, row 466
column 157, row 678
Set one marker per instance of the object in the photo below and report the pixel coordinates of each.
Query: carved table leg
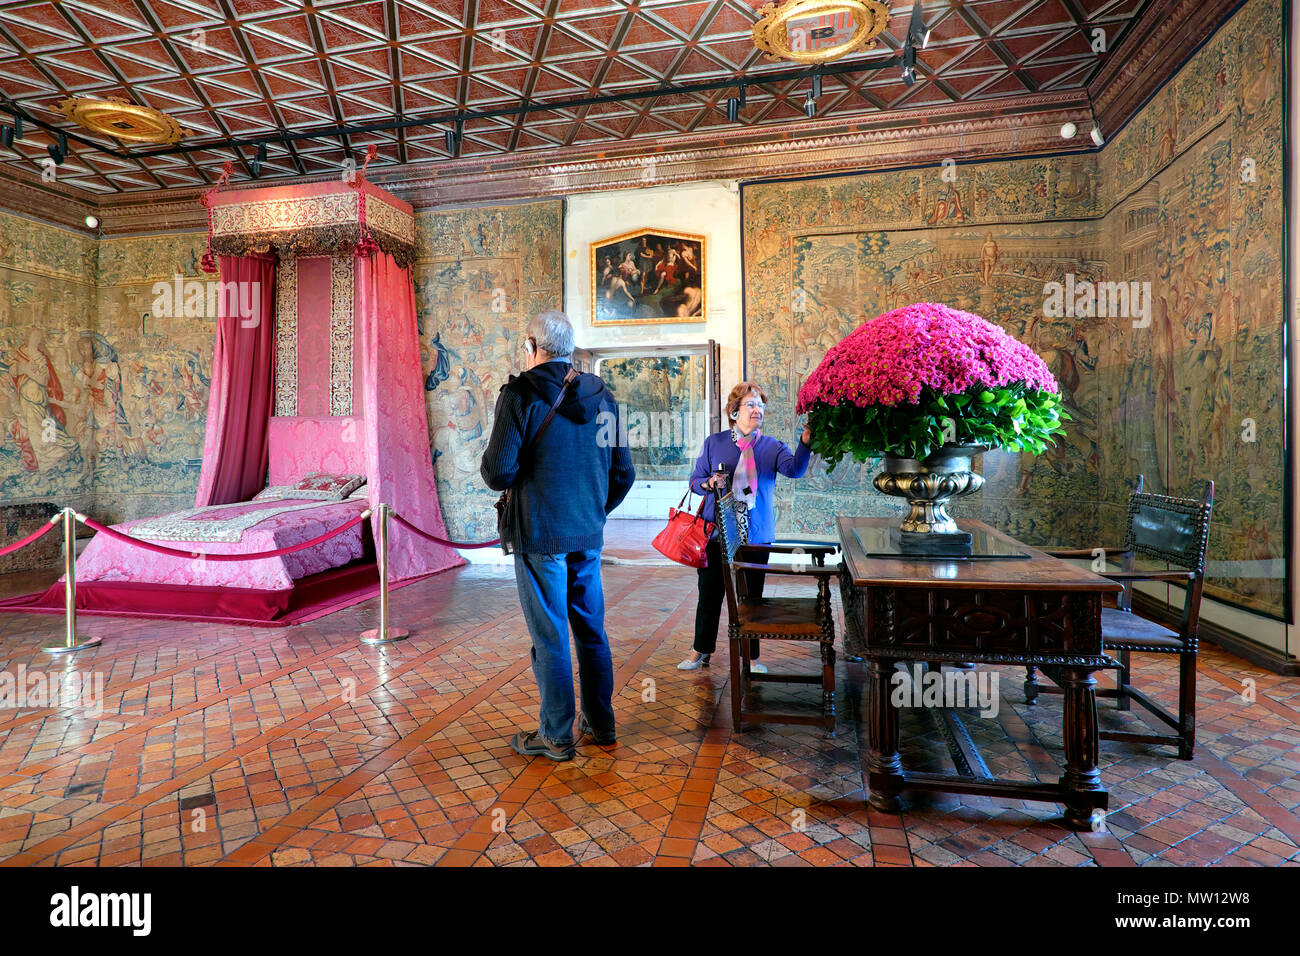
column 828, row 686
column 884, row 768
column 1031, row 684
column 1085, row 798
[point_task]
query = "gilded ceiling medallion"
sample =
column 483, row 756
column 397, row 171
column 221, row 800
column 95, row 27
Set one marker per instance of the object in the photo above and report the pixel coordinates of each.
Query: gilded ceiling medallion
column 122, row 120
column 818, row 31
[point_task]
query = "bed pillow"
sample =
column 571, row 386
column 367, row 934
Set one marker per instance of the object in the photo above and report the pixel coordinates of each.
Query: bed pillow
column 339, row 485
column 279, row 492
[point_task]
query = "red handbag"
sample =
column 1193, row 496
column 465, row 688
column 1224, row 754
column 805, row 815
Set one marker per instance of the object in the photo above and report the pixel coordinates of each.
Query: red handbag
column 686, row 536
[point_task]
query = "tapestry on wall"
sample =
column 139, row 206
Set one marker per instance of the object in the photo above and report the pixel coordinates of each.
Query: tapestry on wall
column 480, row 273
column 1175, row 379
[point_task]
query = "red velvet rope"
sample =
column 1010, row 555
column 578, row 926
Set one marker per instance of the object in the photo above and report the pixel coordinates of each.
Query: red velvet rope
column 434, row 538
column 27, row 540
column 207, row 556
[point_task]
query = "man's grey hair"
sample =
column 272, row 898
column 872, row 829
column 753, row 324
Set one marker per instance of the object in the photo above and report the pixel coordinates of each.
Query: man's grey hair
column 553, row 333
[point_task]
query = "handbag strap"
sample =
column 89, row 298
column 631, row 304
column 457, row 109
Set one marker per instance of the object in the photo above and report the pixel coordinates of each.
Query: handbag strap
column 569, row 379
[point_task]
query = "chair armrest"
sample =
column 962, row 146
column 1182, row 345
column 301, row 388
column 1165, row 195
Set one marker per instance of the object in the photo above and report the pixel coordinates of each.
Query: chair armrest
column 807, row 547
column 808, row 572
column 1174, row 576
column 1082, row 552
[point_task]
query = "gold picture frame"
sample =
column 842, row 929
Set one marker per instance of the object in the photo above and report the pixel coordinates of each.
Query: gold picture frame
column 648, row 277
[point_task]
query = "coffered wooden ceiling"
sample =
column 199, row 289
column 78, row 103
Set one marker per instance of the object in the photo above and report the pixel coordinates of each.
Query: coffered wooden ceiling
column 251, row 69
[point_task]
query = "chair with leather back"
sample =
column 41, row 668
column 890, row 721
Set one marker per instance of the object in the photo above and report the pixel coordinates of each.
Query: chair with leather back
column 753, row 617
column 1175, row 531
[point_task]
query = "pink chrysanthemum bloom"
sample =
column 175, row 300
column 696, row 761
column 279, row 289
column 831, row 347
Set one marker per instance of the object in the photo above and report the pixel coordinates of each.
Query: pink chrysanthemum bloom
column 890, row 359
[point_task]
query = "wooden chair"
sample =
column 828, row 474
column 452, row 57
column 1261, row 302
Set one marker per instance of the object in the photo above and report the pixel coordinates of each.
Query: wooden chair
column 753, row 617
column 1176, row 531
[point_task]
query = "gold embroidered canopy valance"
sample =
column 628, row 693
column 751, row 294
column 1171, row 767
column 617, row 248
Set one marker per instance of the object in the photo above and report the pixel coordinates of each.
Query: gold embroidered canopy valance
column 311, row 219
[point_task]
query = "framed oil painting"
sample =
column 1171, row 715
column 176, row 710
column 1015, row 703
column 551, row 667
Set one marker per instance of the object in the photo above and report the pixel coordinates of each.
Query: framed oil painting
column 647, row 277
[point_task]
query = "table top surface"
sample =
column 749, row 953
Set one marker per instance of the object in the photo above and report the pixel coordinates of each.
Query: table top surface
column 1038, row 572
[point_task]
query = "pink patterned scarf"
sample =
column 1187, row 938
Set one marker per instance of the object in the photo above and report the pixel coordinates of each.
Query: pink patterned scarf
column 744, row 483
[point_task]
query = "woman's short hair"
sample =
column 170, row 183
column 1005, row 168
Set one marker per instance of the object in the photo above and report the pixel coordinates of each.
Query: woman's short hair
column 738, row 395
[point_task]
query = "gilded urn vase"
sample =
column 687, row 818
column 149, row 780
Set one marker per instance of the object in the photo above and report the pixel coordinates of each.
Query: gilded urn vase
column 928, row 485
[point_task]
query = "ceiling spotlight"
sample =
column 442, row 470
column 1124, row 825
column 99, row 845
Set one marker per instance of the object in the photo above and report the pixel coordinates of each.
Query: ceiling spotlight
column 1097, row 138
column 255, row 167
column 18, row 127
column 7, row 137
column 817, row 86
column 909, row 62
column 1068, row 131
column 63, row 143
column 56, row 154
column 452, row 140
column 733, row 110
column 741, row 98
column 92, row 222
column 810, row 107
column 917, row 31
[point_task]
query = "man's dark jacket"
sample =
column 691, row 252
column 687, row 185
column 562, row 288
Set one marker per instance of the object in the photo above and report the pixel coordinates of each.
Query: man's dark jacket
column 566, row 483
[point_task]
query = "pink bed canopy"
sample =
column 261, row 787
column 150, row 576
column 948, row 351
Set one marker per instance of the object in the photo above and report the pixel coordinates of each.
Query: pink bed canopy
column 317, row 363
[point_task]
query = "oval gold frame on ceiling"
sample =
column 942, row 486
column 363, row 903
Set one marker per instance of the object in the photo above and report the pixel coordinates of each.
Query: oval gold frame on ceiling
column 111, row 116
column 771, row 33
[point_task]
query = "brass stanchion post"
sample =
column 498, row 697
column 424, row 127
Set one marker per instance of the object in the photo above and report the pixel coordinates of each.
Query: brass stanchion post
column 383, row 634
column 71, row 641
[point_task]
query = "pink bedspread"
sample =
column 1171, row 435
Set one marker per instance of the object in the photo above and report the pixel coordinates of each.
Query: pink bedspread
column 107, row 560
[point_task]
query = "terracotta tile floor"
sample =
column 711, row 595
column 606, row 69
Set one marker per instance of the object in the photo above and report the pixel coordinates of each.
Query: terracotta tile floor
column 293, row 747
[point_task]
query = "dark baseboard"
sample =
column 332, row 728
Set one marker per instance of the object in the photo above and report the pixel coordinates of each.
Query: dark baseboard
column 1230, row 641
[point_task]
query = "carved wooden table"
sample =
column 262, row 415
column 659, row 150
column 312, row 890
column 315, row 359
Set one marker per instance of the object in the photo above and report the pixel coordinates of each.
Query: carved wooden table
column 1034, row 609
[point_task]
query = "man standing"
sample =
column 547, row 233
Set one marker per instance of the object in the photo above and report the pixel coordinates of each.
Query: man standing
column 564, row 485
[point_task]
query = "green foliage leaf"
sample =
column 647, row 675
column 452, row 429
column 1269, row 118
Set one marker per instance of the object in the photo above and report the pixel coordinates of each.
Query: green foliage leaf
column 1011, row 417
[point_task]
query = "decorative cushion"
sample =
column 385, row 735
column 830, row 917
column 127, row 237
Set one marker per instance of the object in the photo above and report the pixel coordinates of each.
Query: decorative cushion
column 339, row 485
column 278, row 492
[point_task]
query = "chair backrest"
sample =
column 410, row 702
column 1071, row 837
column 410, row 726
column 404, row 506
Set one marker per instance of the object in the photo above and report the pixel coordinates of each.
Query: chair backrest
column 1177, row 531
column 729, row 525
column 730, row 539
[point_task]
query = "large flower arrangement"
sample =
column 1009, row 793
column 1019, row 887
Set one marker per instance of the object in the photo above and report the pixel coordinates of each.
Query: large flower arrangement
column 908, row 380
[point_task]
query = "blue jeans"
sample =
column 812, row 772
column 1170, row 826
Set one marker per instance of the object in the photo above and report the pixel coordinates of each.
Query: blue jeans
column 556, row 591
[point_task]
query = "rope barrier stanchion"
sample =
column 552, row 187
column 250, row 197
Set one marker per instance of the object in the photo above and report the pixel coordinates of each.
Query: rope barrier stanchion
column 443, row 541
column 383, row 634
column 72, row 641
column 38, row 533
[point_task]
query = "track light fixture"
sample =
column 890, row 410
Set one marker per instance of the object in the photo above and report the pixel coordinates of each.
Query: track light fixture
column 63, row 143
column 7, row 137
column 56, row 154
column 810, row 107
column 454, row 137
column 741, row 98
column 733, row 110
column 917, row 31
column 18, row 127
column 1096, row 136
column 255, row 167
column 817, row 86
column 909, row 63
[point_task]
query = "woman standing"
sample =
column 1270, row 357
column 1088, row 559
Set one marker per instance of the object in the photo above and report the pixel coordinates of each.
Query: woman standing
column 751, row 461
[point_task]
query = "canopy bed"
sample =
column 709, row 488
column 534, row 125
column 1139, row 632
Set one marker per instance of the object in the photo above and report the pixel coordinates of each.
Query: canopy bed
column 316, row 413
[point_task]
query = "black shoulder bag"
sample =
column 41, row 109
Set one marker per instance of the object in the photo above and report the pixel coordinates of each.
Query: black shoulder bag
column 504, row 531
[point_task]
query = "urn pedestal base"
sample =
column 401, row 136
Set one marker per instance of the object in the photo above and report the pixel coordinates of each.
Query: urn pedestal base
column 957, row 544
column 928, row 485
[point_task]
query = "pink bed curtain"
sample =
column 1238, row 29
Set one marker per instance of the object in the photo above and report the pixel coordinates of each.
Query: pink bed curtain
column 239, row 406
column 397, row 429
